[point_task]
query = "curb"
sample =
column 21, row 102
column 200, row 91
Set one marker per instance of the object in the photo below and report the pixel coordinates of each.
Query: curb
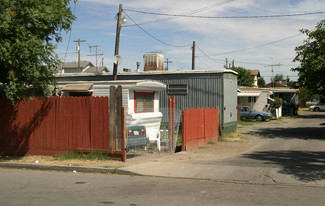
column 65, row 168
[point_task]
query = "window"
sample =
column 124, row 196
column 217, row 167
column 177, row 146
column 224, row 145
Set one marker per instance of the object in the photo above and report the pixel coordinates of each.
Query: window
column 143, row 102
column 177, row 89
column 252, row 99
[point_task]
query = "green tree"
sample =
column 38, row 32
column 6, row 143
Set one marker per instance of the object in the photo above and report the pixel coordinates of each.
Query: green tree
column 292, row 84
column 311, row 56
column 278, row 78
column 261, row 82
column 29, row 30
column 244, row 77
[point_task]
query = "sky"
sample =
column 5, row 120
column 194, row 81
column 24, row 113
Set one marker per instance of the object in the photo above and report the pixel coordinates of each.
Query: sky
column 266, row 44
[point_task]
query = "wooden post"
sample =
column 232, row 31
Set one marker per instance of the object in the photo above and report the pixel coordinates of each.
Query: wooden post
column 119, row 118
column 183, row 131
column 193, row 56
column 171, row 123
column 124, row 135
column 112, row 118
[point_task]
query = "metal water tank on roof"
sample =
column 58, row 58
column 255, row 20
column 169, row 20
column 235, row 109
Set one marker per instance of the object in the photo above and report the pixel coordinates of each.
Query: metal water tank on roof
column 153, row 62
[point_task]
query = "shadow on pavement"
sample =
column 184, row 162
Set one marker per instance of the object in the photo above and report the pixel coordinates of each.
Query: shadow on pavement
column 317, row 133
column 305, row 165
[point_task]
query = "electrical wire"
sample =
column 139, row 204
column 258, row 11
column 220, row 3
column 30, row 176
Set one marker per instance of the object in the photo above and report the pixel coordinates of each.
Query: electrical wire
column 261, row 45
column 66, row 51
column 207, row 55
column 228, row 17
column 187, row 13
column 163, row 42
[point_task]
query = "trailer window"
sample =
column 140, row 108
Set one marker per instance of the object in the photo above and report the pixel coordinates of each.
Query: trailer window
column 143, row 102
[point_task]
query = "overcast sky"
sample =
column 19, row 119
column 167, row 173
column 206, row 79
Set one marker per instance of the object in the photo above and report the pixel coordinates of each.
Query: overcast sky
column 253, row 43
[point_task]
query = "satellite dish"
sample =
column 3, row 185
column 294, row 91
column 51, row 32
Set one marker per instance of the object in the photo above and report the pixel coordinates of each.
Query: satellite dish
column 117, row 59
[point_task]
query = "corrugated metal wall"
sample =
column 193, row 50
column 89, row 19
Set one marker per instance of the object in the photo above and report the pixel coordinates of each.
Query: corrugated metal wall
column 202, row 92
column 230, row 101
column 205, row 89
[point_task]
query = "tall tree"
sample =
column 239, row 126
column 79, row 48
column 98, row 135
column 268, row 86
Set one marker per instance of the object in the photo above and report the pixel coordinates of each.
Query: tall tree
column 244, row 77
column 261, row 82
column 278, row 78
column 29, row 30
column 311, row 56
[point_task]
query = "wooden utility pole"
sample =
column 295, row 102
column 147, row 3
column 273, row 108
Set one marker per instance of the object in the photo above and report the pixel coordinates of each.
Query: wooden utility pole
column 193, row 56
column 96, row 54
column 78, row 48
column 167, row 63
column 117, row 40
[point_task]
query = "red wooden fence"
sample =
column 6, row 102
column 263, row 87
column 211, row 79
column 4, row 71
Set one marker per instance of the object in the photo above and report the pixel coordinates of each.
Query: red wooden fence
column 199, row 126
column 54, row 125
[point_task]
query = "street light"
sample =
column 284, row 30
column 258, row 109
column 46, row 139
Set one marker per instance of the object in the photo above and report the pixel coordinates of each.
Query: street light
column 117, row 40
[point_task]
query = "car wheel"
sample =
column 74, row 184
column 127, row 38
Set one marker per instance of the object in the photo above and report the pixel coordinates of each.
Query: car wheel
column 259, row 118
column 316, row 109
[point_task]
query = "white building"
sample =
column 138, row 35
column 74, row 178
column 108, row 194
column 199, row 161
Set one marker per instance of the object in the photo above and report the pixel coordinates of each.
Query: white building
column 140, row 98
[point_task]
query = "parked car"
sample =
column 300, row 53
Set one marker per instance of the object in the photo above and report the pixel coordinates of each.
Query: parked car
column 317, row 107
column 248, row 113
column 136, row 137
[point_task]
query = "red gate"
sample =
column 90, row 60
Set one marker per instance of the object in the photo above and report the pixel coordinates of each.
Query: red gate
column 199, row 126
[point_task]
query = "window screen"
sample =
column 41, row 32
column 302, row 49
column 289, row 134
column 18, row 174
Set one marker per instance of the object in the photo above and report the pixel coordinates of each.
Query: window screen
column 177, row 89
column 143, row 102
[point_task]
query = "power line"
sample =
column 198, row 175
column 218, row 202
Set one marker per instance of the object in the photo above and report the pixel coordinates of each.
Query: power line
column 163, row 42
column 228, row 17
column 261, row 45
column 66, row 51
column 187, row 13
column 207, row 55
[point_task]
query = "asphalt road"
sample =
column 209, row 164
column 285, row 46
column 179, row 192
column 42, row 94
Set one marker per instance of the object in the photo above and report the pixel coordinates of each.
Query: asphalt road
column 297, row 149
column 30, row 187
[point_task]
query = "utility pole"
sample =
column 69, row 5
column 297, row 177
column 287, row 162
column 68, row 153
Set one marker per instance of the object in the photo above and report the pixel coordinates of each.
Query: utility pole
column 168, row 62
column 273, row 65
column 78, row 48
column 226, row 63
column 193, row 56
column 117, row 40
column 96, row 54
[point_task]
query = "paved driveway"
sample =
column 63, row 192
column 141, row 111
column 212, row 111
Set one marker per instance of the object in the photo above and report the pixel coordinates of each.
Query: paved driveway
column 289, row 151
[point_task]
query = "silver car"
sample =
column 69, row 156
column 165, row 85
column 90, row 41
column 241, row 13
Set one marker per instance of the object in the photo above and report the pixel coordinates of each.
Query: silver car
column 317, row 107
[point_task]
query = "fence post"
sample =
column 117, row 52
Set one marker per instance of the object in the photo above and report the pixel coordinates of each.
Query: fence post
column 124, row 135
column 183, row 131
column 119, row 118
column 171, row 123
column 112, row 119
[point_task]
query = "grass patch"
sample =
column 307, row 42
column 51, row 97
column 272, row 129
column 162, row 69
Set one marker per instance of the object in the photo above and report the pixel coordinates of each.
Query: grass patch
column 244, row 123
column 233, row 137
column 93, row 155
column 211, row 142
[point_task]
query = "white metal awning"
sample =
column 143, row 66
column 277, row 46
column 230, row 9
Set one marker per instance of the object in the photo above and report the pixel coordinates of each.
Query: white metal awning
column 248, row 94
column 77, row 87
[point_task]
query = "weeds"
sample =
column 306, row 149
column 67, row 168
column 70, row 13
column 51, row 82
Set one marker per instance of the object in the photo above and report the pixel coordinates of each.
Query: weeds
column 234, row 137
column 93, row 155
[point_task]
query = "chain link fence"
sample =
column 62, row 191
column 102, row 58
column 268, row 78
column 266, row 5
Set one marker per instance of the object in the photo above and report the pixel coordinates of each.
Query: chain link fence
column 150, row 133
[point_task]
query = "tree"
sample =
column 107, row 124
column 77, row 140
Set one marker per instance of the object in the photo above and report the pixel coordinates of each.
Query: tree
column 29, row 30
column 311, row 56
column 244, row 77
column 261, row 82
column 278, row 78
column 292, row 84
